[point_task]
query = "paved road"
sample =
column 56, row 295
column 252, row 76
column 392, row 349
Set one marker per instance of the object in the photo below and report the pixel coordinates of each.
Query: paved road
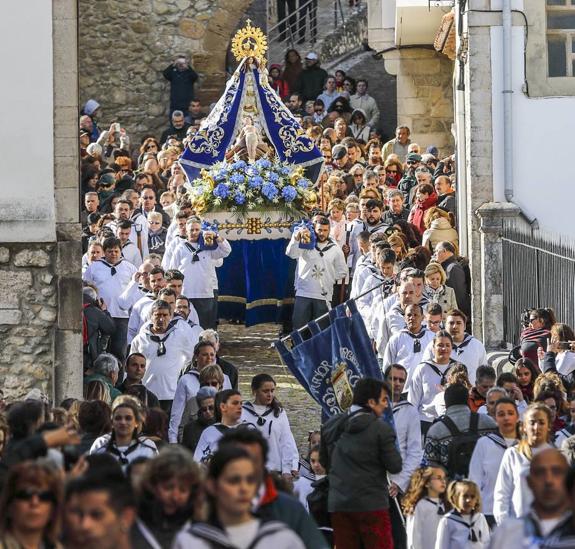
column 249, row 349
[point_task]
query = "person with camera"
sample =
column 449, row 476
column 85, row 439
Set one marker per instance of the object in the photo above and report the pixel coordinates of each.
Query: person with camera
column 182, row 79
column 96, row 325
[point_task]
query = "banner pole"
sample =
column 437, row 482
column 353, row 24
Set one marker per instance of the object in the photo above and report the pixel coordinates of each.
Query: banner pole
column 327, row 314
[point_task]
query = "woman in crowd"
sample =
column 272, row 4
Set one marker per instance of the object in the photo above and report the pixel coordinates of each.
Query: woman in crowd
column 278, row 82
column 537, row 333
column 170, row 497
column 512, row 496
column 151, row 146
column 125, row 442
column 358, row 128
column 341, row 128
column 30, row 507
column 438, row 228
column 205, row 417
column 560, row 355
column 231, row 487
column 292, row 68
column 489, row 450
column 428, row 377
column 156, row 427
column 408, row 230
column 425, row 198
column 526, row 374
column 93, row 421
column 397, row 244
column 393, row 172
column 436, row 290
column 266, row 413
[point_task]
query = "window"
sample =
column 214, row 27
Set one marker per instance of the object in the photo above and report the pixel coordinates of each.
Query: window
column 560, row 38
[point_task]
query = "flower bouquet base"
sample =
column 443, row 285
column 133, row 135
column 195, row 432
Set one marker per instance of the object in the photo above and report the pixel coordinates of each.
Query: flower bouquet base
column 252, row 200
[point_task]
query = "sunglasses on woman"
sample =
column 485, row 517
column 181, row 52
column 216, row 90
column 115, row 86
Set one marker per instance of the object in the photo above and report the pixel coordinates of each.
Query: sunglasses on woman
column 28, row 494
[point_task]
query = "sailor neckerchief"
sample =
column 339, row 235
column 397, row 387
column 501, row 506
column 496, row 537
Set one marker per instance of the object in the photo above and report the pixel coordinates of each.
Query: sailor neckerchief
column 461, row 347
column 195, row 251
column 438, row 504
column 416, row 338
column 112, row 268
column 474, row 535
column 330, row 244
column 261, row 419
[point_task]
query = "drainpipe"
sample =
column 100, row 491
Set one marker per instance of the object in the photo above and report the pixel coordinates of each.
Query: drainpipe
column 507, row 101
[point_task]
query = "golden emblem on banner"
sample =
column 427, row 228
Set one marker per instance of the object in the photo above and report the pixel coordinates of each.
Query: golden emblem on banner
column 249, row 42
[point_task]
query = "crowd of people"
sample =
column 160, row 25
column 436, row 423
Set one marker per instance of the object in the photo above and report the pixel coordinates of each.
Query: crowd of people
column 164, row 451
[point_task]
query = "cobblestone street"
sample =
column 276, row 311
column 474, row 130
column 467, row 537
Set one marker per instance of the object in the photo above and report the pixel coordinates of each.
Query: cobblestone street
column 249, row 349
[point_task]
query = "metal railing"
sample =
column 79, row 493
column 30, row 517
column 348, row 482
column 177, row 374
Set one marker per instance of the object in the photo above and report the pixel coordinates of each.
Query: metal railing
column 538, row 271
column 301, row 25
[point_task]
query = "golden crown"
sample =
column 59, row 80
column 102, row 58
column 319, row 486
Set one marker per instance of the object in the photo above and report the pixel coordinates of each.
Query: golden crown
column 249, row 42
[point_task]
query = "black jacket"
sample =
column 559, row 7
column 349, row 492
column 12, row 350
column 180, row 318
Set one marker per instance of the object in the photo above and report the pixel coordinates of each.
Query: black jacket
column 229, row 369
column 358, row 450
column 456, row 279
column 180, row 133
column 151, row 400
column 98, row 323
column 389, row 218
column 310, row 82
column 182, row 87
column 447, row 202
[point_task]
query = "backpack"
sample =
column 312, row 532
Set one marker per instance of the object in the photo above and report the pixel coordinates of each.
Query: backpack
column 461, row 446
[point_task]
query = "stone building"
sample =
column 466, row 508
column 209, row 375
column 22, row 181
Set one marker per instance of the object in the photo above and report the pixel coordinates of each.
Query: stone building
column 511, row 100
column 403, row 32
column 125, row 46
column 40, row 251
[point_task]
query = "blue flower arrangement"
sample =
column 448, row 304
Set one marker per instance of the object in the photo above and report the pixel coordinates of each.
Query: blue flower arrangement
column 239, row 186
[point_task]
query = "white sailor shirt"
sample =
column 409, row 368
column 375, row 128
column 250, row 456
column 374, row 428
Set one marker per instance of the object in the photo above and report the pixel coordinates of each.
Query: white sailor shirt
column 406, row 348
column 166, row 354
column 111, row 281
column 198, row 267
column 470, row 352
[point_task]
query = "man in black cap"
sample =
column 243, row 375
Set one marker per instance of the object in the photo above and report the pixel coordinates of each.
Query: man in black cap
column 311, row 80
column 409, row 181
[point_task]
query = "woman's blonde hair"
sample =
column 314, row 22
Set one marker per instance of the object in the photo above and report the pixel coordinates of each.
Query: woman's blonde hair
column 452, row 493
column 98, row 390
column 523, row 446
column 396, row 240
column 212, row 371
column 418, row 488
column 435, row 268
column 336, row 204
column 458, row 374
column 155, row 216
column 435, row 213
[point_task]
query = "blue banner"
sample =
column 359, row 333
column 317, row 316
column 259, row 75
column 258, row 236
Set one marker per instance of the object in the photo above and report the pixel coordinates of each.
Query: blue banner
column 342, row 348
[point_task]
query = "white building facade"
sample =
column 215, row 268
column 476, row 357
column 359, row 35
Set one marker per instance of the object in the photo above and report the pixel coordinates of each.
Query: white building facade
column 513, row 82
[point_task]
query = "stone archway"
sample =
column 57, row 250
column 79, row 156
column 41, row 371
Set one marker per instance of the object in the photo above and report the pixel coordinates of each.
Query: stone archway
column 124, row 46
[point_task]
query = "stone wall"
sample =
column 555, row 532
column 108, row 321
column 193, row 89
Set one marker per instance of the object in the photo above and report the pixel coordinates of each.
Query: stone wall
column 424, row 95
column 28, row 313
column 124, row 47
column 345, row 39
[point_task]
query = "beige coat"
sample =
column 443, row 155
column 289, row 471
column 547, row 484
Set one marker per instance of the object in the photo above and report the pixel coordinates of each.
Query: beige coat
column 440, row 231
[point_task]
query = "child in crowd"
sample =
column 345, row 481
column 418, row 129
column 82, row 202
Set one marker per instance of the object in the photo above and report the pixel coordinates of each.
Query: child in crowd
column 303, row 485
column 424, row 504
column 156, row 233
column 465, row 527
